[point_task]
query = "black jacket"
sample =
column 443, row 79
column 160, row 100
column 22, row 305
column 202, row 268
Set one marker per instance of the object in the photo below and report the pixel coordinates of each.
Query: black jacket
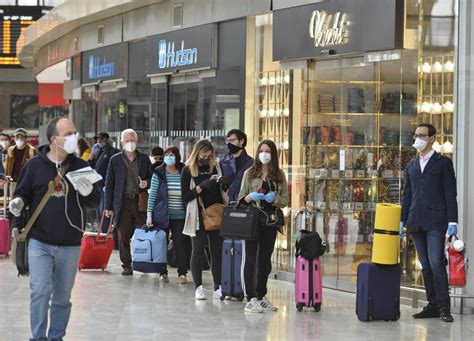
column 52, row 226
column 116, row 178
column 429, row 198
column 230, row 171
column 101, row 162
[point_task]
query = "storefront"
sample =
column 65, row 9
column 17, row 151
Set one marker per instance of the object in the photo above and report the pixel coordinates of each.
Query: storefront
column 341, row 93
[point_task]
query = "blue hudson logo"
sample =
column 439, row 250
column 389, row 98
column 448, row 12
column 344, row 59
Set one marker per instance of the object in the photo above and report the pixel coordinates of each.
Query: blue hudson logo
column 100, row 68
column 168, row 57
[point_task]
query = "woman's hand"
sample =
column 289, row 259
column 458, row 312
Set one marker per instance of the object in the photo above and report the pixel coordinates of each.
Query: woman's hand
column 270, row 197
column 254, row 196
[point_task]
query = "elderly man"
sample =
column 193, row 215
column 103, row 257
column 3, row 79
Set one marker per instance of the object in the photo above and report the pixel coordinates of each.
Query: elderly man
column 55, row 238
column 18, row 155
column 129, row 173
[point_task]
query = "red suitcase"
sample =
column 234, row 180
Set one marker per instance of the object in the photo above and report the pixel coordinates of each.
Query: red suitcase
column 96, row 248
column 308, row 284
column 5, row 225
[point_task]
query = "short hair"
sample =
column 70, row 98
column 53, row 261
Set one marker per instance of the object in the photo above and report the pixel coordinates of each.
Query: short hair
column 157, row 151
column 240, row 135
column 431, row 128
column 128, row 131
column 6, row 135
column 175, row 151
column 52, row 128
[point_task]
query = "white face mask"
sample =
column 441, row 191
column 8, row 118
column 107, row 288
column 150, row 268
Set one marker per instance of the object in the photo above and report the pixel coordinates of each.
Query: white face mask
column 70, row 143
column 20, row 143
column 130, row 147
column 265, row 157
column 420, row 144
column 4, row 144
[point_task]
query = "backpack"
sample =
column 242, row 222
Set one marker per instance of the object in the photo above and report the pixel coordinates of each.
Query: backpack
column 309, row 245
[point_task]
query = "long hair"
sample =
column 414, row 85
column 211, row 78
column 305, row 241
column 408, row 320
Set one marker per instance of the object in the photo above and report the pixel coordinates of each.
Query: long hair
column 202, row 146
column 274, row 173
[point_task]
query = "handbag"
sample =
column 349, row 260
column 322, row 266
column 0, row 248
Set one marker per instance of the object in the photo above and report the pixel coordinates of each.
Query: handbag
column 212, row 216
column 240, row 222
column 309, row 245
column 272, row 218
column 19, row 243
column 457, row 269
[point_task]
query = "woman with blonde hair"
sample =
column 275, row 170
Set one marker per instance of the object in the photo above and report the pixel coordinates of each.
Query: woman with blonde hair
column 264, row 185
column 201, row 183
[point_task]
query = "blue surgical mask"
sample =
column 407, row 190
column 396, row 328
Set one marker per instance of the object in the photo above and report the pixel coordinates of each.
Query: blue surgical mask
column 169, row 160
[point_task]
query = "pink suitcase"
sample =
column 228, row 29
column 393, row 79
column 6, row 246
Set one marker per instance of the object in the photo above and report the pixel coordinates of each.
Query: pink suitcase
column 308, row 284
column 5, row 225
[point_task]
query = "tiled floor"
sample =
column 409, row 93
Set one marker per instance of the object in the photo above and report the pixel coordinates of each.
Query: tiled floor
column 107, row 306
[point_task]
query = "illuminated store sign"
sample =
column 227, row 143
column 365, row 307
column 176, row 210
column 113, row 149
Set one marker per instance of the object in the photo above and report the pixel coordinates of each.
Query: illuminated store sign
column 99, row 68
column 328, row 29
column 192, row 48
column 337, row 27
column 168, row 57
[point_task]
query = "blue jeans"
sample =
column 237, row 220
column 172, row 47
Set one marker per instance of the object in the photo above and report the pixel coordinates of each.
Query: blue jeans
column 52, row 273
column 430, row 248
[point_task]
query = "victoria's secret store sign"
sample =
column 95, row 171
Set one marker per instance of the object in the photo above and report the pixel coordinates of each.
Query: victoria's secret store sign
column 337, row 27
column 106, row 63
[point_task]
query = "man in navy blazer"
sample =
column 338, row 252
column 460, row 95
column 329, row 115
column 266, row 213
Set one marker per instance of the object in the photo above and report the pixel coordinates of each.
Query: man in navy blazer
column 430, row 212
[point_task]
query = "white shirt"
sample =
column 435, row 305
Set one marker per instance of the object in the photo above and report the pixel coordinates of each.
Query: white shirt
column 424, row 160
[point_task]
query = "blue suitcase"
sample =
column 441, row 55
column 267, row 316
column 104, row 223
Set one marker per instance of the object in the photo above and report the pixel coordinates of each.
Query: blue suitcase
column 378, row 292
column 231, row 280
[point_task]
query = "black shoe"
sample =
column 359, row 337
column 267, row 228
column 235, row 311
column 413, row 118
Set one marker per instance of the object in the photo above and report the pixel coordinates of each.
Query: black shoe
column 127, row 272
column 446, row 316
column 427, row 312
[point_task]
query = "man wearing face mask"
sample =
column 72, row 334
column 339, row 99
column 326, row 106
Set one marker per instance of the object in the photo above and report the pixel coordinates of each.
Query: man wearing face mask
column 235, row 163
column 99, row 160
column 18, row 155
column 55, row 238
column 156, row 158
column 430, row 212
column 4, row 145
column 128, row 174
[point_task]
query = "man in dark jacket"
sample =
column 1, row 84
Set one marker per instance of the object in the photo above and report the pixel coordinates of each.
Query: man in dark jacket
column 128, row 174
column 157, row 154
column 430, row 211
column 99, row 160
column 55, row 238
column 235, row 163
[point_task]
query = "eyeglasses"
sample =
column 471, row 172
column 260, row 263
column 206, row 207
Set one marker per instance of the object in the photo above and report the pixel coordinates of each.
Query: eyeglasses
column 420, row 136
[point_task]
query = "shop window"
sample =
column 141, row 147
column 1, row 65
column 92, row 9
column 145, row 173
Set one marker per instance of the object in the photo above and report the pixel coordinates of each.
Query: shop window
column 178, row 16
column 100, row 34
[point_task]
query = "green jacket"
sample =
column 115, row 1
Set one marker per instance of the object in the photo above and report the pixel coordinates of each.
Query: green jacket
column 253, row 185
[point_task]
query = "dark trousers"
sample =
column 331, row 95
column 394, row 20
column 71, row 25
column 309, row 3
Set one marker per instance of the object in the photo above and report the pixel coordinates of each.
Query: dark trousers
column 182, row 244
column 215, row 246
column 430, row 248
column 130, row 218
column 264, row 245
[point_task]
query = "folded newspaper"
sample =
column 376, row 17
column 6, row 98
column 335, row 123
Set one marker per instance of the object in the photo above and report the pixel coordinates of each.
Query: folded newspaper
column 83, row 173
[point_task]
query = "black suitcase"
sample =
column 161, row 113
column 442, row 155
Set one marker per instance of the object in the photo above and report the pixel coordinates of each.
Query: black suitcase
column 378, row 292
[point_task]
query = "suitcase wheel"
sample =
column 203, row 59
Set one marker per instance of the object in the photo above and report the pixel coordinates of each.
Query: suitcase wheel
column 299, row 307
column 317, row 307
column 397, row 317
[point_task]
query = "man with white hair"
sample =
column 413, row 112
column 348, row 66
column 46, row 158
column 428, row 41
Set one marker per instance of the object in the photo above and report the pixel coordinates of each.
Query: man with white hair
column 128, row 174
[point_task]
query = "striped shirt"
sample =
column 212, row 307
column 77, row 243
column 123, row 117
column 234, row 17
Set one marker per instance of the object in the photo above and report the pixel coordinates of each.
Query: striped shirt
column 175, row 200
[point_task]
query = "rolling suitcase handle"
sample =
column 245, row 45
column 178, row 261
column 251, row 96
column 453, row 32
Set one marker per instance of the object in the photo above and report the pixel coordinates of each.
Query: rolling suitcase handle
column 110, row 225
column 6, row 196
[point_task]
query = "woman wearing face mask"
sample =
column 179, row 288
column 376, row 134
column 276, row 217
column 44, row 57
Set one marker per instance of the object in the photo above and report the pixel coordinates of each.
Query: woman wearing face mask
column 166, row 208
column 200, row 188
column 264, row 184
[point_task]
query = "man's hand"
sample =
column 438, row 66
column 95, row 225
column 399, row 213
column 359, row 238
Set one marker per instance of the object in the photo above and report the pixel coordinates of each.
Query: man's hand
column 108, row 213
column 452, row 230
column 15, row 206
column 143, row 183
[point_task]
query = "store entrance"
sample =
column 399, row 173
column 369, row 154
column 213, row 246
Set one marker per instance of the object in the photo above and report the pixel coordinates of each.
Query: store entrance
column 357, row 137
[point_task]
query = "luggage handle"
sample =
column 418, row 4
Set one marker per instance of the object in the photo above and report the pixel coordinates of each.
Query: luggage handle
column 111, row 216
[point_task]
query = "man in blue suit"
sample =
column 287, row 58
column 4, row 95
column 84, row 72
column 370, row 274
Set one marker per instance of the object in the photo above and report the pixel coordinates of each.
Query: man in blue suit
column 430, row 212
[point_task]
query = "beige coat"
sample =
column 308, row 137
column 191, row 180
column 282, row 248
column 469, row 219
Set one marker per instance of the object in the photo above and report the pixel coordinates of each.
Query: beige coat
column 253, row 185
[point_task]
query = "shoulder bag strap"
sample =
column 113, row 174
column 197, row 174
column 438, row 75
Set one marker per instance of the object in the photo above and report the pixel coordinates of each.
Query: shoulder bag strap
column 51, row 188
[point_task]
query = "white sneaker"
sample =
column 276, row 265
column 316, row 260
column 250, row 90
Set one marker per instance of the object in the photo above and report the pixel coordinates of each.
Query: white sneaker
column 182, row 279
column 164, row 279
column 253, row 306
column 200, row 294
column 267, row 305
column 217, row 294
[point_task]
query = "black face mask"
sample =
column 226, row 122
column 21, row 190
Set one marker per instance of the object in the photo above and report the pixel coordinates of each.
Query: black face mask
column 203, row 162
column 233, row 149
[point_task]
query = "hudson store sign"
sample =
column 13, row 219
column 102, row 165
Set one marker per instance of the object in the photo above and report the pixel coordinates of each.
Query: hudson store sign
column 337, row 27
column 181, row 50
column 102, row 64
